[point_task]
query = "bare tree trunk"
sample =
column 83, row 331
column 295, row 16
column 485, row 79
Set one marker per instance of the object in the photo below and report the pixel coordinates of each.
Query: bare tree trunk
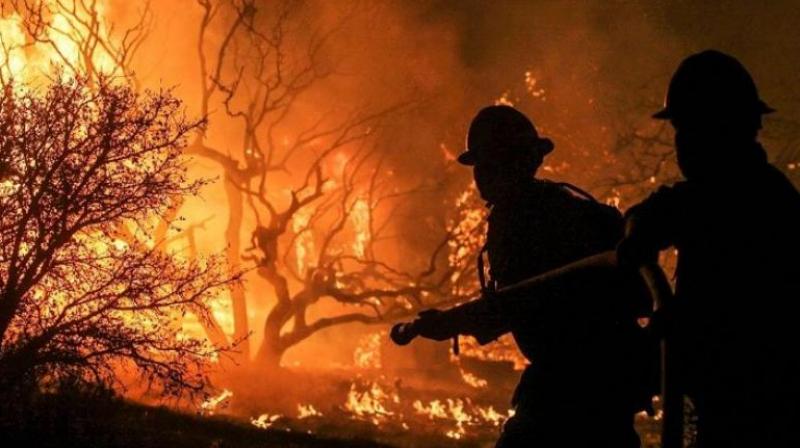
column 270, row 354
column 238, row 297
column 272, row 348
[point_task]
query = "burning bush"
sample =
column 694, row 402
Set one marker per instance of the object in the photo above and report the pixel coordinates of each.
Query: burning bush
column 86, row 286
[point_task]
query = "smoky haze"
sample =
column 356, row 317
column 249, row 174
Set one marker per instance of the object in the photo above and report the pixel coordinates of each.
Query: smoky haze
column 588, row 73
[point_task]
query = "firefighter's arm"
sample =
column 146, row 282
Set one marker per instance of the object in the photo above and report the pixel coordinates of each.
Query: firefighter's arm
column 477, row 318
column 585, row 288
column 511, row 307
column 576, row 289
column 650, row 227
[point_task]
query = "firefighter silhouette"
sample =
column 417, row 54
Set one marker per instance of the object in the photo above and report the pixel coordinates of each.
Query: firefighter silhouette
column 735, row 221
column 582, row 371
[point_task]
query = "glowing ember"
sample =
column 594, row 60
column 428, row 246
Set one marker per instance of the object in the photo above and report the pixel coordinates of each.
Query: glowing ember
column 503, row 100
column 531, row 86
column 212, row 403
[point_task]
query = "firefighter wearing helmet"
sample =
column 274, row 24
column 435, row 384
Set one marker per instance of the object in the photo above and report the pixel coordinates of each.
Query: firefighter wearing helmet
column 735, row 222
column 580, row 367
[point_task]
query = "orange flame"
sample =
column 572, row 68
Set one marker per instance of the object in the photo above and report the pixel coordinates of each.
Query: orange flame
column 12, row 41
column 370, row 404
column 264, row 421
column 60, row 45
column 367, row 354
column 304, row 243
column 210, row 405
column 306, row 411
column 360, row 217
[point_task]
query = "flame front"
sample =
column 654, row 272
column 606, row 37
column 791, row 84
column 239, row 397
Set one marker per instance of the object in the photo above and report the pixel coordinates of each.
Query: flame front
column 460, row 412
column 211, row 404
column 306, row 411
column 12, row 39
column 70, row 41
column 367, row 354
column 371, row 403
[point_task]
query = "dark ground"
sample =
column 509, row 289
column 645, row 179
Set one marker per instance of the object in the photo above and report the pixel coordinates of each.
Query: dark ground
column 99, row 418
column 81, row 419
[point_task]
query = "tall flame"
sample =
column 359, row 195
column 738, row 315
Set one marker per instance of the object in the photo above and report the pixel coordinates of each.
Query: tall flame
column 66, row 42
column 360, row 217
column 367, row 354
column 12, row 41
column 304, row 241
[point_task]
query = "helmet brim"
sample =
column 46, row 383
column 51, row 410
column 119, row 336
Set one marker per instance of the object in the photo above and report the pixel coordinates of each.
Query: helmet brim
column 466, row 158
column 663, row 114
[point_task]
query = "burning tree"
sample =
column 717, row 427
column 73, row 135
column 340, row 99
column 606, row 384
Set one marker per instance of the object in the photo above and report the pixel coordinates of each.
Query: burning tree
column 259, row 63
column 319, row 229
column 84, row 289
column 75, row 35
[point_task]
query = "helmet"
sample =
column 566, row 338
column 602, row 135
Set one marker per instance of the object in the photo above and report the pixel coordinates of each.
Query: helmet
column 712, row 83
column 500, row 131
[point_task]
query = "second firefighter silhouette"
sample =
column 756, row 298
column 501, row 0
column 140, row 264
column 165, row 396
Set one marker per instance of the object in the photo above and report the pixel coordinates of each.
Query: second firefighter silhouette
column 586, row 370
column 734, row 221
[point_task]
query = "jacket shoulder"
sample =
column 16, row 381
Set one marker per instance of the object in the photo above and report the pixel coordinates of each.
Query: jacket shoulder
column 584, row 202
column 664, row 200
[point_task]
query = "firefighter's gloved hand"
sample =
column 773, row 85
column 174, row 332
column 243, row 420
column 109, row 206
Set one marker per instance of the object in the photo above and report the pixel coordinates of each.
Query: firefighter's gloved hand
column 635, row 251
column 432, row 324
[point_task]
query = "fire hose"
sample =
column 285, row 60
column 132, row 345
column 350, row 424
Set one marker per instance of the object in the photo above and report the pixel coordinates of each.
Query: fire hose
column 403, row 333
column 660, row 291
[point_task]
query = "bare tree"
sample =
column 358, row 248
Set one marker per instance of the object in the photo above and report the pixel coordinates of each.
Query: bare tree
column 264, row 59
column 333, row 240
column 80, row 163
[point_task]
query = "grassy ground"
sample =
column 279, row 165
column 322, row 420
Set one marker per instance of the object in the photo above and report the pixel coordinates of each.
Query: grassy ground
column 98, row 418
column 91, row 420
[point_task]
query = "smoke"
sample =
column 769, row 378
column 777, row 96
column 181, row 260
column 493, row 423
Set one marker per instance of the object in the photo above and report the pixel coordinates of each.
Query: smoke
column 586, row 72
